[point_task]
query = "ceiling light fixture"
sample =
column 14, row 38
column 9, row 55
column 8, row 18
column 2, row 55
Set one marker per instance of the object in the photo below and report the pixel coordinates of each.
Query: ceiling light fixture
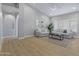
column 54, row 8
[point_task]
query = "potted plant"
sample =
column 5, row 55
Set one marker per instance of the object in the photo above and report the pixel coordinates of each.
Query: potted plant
column 50, row 28
column 65, row 31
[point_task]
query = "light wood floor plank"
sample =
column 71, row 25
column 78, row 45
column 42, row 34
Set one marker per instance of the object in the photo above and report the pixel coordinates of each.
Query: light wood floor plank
column 34, row 46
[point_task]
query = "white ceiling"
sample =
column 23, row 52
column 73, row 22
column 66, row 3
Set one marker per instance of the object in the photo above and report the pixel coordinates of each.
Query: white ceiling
column 53, row 9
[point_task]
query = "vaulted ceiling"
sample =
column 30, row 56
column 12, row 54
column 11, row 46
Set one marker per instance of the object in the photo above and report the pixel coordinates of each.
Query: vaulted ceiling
column 53, row 9
column 49, row 9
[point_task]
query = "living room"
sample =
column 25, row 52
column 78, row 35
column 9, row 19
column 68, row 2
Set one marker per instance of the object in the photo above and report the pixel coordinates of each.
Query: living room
column 39, row 29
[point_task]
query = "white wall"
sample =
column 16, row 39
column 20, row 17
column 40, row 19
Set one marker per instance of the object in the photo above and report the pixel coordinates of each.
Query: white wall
column 1, row 28
column 27, row 20
column 0, row 20
column 0, row 23
column 21, row 20
column 65, row 22
column 42, row 22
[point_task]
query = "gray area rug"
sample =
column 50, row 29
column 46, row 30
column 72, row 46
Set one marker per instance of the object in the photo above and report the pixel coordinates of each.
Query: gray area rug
column 63, row 43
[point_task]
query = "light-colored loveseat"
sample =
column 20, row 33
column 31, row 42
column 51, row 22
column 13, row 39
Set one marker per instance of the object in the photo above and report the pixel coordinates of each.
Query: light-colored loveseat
column 69, row 34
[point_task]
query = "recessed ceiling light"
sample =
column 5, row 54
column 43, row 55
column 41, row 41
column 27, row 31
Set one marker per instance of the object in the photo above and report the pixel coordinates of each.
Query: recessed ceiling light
column 50, row 14
column 53, row 8
column 74, row 8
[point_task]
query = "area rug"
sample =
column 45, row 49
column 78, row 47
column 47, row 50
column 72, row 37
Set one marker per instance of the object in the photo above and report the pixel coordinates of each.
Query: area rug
column 63, row 43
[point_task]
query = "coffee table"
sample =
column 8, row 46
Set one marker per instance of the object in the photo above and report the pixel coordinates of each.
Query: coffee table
column 56, row 36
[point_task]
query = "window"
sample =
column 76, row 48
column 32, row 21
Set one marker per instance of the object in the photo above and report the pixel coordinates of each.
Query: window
column 68, row 24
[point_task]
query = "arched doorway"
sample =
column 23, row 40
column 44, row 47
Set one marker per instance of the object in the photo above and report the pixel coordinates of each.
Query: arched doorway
column 10, row 25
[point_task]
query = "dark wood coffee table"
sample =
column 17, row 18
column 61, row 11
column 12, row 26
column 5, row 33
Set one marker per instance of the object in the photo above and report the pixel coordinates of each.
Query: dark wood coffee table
column 56, row 36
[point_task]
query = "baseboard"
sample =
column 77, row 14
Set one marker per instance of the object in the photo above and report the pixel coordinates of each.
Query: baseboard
column 14, row 37
column 26, row 36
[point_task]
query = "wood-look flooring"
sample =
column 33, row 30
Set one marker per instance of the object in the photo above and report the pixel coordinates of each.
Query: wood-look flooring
column 34, row 46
